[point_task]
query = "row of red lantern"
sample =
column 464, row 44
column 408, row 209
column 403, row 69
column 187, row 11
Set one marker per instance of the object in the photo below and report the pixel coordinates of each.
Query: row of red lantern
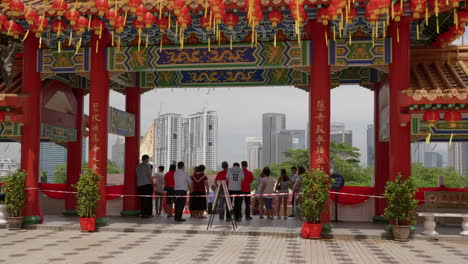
column 451, row 116
column 457, row 30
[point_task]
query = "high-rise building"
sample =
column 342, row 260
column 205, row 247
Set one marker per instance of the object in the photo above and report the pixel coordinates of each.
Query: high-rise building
column 200, row 140
column 370, row 145
column 271, row 124
column 51, row 156
column 289, row 139
column 254, row 152
column 432, row 160
column 458, row 157
column 339, row 134
column 7, row 167
column 168, row 139
column 118, row 152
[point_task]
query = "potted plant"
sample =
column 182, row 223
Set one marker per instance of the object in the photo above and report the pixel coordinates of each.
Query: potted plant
column 87, row 192
column 400, row 206
column 15, row 198
column 315, row 186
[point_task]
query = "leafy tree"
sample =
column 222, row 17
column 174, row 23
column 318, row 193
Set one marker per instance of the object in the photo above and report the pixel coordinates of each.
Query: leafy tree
column 345, row 152
column 60, row 173
column 112, row 168
column 428, row 177
column 43, row 176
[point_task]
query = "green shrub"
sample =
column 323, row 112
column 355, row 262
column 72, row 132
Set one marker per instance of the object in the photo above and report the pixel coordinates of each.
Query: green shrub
column 315, row 186
column 400, row 200
column 14, row 193
column 87, row 193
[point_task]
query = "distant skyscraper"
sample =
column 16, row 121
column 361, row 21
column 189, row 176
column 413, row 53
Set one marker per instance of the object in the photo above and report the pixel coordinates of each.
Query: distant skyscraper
column 417, row 151
column 168, row 139
column 7, row 166
column 118, row 152
column 271, row 124
column 339, row 134
column 370, row 145
column 289, row 139
column 254, row 152
column 200, row 140
column 51, row 156
column 458, row 157
column 432, row 160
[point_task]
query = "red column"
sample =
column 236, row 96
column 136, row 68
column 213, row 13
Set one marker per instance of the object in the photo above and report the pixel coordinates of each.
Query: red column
column 399, row 79
column 132, row 152
column 30, row 140
column 74, row 157
column 98, row 118
column 319, row 104
column 380, row 157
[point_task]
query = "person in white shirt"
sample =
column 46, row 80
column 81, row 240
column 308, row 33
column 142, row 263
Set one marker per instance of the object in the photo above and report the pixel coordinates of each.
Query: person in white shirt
column 158, row 183
column 268, row 187
column 182, row 183
column 145, row 186
column 235, row 175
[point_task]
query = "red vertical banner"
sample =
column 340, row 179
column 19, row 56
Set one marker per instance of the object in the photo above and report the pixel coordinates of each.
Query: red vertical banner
column 31, row 138
column 399, row 80
column 319, row 104
column 98, row 118
column 74, row 156
column 132, row 151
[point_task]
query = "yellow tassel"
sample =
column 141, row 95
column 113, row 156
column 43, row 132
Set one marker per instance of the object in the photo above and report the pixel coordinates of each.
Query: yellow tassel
column 451, row 137
column 78, row 45
column 401, row 4
column 428, row 138
column 100, row 31
column 206, row 8
column 59, row 47
column 427, row 16
column 139, row 39
column 398, row 34
column 177, row 28
column 89, row 22
column 437, row 24
column 58, row 31
column 160, row 45
column 70, row 38
column 393, row 11
column 326, row 38
column 40, row 42
column 97, row 45
column 350, row 39
column 125, row 18
column 274, row 40
column 334, row 33
column 169, row 22
column 26, row 35
column 230, row 44
column 455, row 17
column 417, row 31
column 112, row 38
column 160, row 9
column 387, row 15
column 147, row 40
column 209, row 44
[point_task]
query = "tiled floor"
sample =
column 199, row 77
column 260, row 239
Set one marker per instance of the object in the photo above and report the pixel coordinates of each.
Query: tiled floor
column 43, row 246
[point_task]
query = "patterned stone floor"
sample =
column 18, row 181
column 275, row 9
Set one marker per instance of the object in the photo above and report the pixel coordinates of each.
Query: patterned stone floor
column 43, row 246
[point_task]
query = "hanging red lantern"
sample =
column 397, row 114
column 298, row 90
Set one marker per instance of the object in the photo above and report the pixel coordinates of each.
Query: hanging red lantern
column 339, row 4
column 148, row 19
column 139, row 25
column 41, row 22
column 30, row 15
column 301, row 18
column 112, row 15
column 60, row 7
column 16, row 7
column 3, row 19
column 58, row 26
column 431, row 117
column 163, row 23
column 417, row 7
column 119, row 24
column 17, row 31
column 452, row 117
column 178, row 5
column 73, row 16
column 275, row 17
column 140, row 12
column 102, row 6
column 82, row 25
column 332, row 13
column 231, row 20
column 218, row 12
column 8, row 27
column 205, row 22
column 133, row 4
column 97, row 26
column 34, row 29
column 398, row 12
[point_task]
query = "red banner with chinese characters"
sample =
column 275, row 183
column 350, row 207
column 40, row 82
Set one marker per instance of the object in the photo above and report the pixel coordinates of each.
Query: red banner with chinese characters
column 320, row 135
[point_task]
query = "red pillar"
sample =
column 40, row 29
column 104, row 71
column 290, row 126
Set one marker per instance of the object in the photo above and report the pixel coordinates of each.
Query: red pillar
column 132, row 152
column 30, row 140
column 74, row 157
column 399, row 79
column 380, row 157
column 319, row 104
column 98, row 118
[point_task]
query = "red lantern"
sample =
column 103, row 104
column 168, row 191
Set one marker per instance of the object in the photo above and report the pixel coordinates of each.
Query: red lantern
column 139, row 25
column 339, row 4
column 205, row 22
column 3, row 19
column 133, row 4
column 140, row 12
column 58, row 26
column 417, row 7
column 102, row 6
column 452, row 117
column 332, row 13
column 60, row 6
column 41, row 22
column 431, row 117
column 231, row 20
column 112, row 15
column 178, row 5
column 73, row 16
column 30, row 15
column 148, row 19
column 97, row 25
column 275, row 17
column 82, row 25
column 119, row 24
column 8, row 26
column 16, row 7
column 17, row 31
column 163, row 23
column 398, row 12
column 301, row 17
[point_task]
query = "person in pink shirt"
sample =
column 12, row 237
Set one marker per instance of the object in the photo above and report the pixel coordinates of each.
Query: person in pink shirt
column 245, row 188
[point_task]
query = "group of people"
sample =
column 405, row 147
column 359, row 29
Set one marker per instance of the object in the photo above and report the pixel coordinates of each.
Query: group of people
column 176, row 183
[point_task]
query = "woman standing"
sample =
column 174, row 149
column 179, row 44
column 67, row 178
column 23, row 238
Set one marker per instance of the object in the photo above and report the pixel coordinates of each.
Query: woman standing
column 284, row 183
column 258, row 199
column 199, row 190
column 268, row 188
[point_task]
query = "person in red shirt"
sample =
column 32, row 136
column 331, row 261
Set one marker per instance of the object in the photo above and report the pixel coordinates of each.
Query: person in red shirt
column 169, row 188
column 221, row 176
column 245, row 188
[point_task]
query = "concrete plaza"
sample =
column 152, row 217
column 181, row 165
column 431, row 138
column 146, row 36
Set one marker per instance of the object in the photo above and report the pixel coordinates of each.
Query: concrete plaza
column 160, row 240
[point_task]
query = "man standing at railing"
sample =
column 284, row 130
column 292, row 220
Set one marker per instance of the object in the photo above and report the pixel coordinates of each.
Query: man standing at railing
column 145, row 186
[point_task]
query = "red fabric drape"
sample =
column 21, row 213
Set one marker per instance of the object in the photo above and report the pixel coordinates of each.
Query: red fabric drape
column 345, row 199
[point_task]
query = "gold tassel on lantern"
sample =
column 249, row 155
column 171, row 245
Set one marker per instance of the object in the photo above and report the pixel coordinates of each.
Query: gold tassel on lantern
column 209, row 44
column 125, row 18
column 26, row 35
column 89, row 22
column 40, row 41
column 350, row 38
column 428, row 138
column 427, row 16
column 451, row 137
column 97, row 45
column 393, row 11
column 437, row 24
column 398, row 34
column 326, row 38
column 230, row 43
column 70, row 38
column 139, row 39
column 147, row 40
column 160, row 8
column 274, row 40
column 78, row 45
column 455, row 17
column 417, row 31
column 59, row 46
column 100, row 31
column 112, row 36
column 206, row 8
